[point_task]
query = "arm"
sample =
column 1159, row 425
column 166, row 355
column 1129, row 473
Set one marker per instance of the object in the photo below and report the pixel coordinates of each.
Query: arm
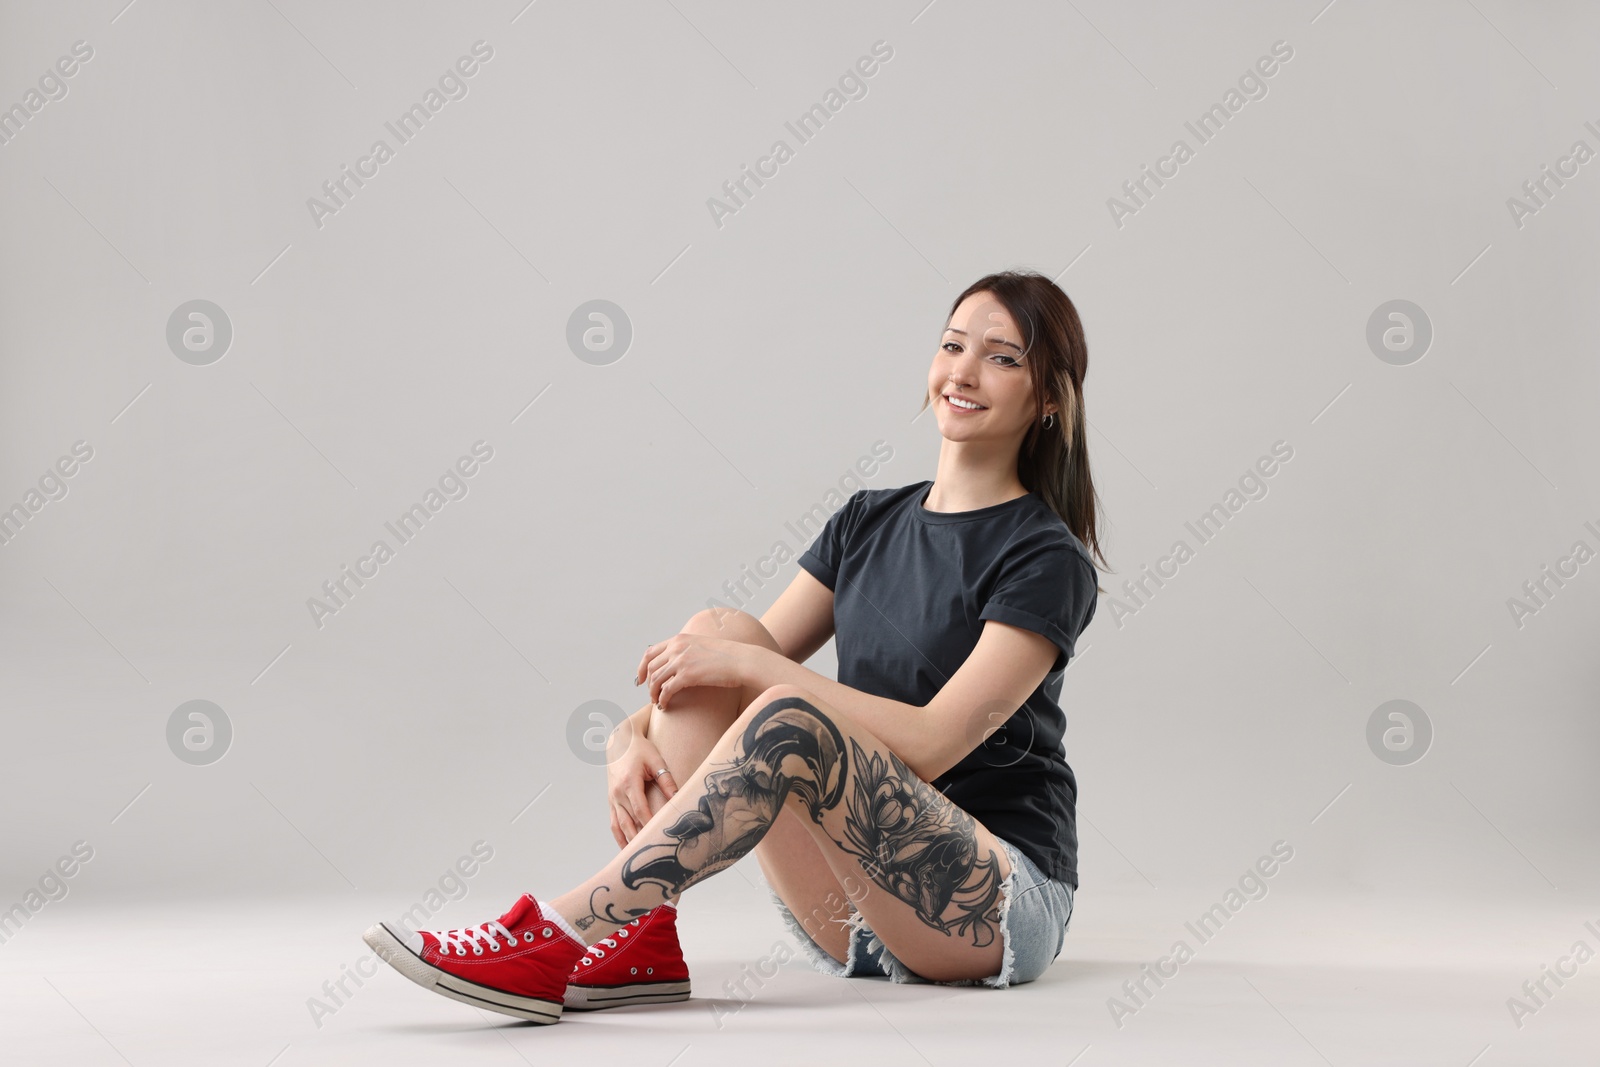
column 801, row 621
column 1007, row 664
column 899, row 725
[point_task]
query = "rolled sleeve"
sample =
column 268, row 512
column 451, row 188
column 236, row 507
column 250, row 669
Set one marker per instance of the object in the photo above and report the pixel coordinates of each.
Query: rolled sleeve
column 822, row 558
column 1046, row 586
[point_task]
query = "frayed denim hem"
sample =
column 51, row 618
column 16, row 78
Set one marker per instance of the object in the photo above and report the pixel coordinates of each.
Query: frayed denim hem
column 819, row 959
column 899, row 972
column 866, row 949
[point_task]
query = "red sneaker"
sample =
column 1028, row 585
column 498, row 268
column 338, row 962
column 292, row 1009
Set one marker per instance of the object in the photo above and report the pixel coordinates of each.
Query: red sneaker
column 640, row 963
column 516, row 965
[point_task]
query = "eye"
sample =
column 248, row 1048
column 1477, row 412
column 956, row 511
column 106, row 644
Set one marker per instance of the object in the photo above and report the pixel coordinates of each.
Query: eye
column 948, row 345
column 1013, row 361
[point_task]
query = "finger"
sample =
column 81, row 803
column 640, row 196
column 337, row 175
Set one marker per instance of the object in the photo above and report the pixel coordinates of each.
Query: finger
column 616, row 832
column 619, row 811
column 644, row 664
column 665, row 782
column 658, row 678
column 650, row 655
column 662, row 668
column 642, row 804
column 633, row 815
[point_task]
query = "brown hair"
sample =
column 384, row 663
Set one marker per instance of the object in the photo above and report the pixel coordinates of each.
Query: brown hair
column 1051, row 462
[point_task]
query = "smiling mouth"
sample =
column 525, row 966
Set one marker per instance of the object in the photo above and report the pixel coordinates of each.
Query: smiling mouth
column 952, row 402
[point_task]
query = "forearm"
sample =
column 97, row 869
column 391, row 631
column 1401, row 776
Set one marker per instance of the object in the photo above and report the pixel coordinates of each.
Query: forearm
column 901, row 726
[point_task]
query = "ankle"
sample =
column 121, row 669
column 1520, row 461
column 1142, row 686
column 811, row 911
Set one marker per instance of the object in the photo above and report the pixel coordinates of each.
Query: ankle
column 565, row 917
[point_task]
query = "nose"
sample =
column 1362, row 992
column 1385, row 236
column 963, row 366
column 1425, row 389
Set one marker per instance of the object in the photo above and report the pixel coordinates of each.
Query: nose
column 961, row 370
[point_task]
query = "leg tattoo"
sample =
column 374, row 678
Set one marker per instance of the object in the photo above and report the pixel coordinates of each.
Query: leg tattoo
column 909, row 838
column 920, row 847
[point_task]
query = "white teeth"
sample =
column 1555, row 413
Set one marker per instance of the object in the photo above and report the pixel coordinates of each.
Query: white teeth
column 963, row 405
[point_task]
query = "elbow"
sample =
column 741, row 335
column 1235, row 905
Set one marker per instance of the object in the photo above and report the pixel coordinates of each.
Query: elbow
column 931, row 765
column 921, row 748
column 931, row 757
column 939, row 746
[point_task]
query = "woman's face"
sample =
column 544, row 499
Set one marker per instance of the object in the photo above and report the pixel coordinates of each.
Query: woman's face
column 980, row 360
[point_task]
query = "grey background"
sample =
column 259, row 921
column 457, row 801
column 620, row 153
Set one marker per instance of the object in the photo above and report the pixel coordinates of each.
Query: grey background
column 768, row 355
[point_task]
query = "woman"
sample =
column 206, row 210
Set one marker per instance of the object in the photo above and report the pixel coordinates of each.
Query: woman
column 918, row 812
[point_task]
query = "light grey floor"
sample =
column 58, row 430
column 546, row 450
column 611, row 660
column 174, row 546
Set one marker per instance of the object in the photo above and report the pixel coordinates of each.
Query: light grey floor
column 1290, row 980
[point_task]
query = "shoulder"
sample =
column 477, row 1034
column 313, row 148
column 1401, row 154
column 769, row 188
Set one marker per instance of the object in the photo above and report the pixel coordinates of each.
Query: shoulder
column 868, row 504
column 892, row 495
column 1040, row 531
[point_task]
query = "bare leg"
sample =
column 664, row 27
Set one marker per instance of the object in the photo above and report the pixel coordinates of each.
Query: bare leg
column 790, row 859
column 934, row 873
column 700, row 714
column 698, row 720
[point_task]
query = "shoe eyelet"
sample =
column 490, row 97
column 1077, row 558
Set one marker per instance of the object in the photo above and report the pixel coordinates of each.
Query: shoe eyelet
column 586, row 961
column 477, row 950
column 494, row 946
column 649, row 970
column 549, row 932
column 633, row 970
column 623, row 933
column 527, row 935
column 600, row 952
column 460, row 951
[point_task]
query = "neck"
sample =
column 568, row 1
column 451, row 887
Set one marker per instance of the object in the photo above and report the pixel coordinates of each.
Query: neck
column 973, row 476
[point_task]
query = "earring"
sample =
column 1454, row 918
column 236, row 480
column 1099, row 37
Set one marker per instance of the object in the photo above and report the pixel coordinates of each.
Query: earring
column 1049, row 420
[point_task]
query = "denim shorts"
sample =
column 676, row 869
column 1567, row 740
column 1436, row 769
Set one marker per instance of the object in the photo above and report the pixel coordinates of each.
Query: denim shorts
column 1035, row 913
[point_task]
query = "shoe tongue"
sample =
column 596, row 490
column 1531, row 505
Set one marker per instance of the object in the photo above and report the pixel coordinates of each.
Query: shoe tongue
column 525, row 910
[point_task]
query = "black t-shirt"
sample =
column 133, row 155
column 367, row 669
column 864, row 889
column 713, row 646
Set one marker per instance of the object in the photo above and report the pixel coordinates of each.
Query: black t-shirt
column 912, row 589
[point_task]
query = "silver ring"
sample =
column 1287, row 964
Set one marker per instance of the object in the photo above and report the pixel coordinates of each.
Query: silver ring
column 663, row 771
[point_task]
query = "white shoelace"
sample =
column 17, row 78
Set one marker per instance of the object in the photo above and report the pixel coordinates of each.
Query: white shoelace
column 609, row 942
column 456, row 940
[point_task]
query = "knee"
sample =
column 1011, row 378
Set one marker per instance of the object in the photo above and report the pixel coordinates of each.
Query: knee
column 731, row 624
column 833, row 721
column 784, row 691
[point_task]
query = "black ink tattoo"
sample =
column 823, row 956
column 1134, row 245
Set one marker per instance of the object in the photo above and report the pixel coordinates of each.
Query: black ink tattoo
column 911, row 840
column 921, row 847
column 787, row 747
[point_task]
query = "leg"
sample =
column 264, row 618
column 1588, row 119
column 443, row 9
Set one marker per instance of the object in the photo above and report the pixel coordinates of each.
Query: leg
column 789, row 858
column 701, row 714
column 800, row 875
column 932, row 873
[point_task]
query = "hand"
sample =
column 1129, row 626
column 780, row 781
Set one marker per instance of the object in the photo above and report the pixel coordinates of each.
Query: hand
column 687, row 660
column 631, row 762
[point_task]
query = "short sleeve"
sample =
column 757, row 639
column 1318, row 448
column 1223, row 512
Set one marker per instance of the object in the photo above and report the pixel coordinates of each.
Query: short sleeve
column 1045, row 585
column 822, row 558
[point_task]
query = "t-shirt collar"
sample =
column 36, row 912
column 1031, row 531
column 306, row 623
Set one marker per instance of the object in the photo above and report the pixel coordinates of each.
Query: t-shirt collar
column 960, row 516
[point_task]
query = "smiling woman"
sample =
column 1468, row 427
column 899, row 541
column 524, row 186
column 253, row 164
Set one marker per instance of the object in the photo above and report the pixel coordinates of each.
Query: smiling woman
column 918, row 810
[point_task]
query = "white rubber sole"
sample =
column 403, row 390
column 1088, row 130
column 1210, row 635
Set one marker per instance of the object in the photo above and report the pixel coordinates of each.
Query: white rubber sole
column 393, row 951
column 598, row 998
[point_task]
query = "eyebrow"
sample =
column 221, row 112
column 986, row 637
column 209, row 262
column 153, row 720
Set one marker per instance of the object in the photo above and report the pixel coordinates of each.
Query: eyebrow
column 991, row 340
